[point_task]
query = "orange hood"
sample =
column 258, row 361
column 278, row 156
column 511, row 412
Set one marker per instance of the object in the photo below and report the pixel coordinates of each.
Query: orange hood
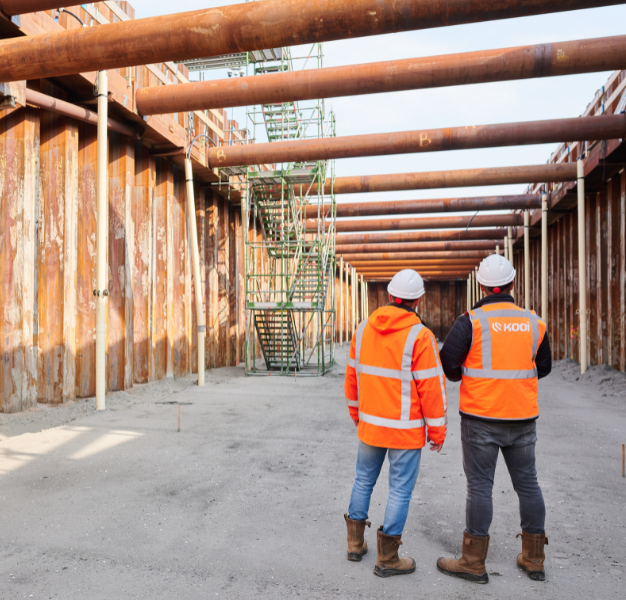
column 389, row 319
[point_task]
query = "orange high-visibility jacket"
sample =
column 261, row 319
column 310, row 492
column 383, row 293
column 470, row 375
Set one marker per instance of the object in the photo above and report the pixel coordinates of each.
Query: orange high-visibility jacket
column 394, row 381
column 499, row 374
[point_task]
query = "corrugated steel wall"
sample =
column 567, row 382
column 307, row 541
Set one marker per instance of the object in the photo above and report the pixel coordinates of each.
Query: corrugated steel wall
column 47, row 264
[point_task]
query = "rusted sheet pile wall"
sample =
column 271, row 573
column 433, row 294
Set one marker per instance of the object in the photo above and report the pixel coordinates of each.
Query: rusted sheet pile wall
column 47, row 264
column 443, row 302
column 605, row 236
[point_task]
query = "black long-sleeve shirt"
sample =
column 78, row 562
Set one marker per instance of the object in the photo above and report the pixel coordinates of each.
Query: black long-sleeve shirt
column 459, row 341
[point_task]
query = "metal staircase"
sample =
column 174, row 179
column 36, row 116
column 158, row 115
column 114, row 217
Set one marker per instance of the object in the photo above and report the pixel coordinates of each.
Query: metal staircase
column 276, row 331
column 290, row 265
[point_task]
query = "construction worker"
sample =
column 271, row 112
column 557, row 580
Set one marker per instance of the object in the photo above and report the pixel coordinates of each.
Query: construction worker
column 499, row 351
column 395, row 388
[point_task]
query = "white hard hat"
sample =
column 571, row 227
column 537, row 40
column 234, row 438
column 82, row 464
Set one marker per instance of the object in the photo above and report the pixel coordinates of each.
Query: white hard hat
column 495, row 271
column 407, row 285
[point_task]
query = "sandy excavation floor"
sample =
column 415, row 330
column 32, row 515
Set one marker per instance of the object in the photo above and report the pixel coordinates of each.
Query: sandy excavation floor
column 247, row 500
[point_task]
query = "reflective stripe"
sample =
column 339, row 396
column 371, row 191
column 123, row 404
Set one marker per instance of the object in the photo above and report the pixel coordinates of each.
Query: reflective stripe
column 352, row 363
column 427, row 373
column 436, row 422
column 391, row 423
column 407, row 360
column 381, row 372
column 352, row 403
column 499, row 374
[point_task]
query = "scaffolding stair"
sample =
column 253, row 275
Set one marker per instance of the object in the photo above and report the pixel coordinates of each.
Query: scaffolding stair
column 276, row 332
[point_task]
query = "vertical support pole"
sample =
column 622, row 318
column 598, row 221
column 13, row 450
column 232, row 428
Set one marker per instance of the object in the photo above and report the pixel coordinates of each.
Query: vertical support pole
column 506, row 247
column 347, row 307
column 101, row 241
column 476, row 286
column 362, row 298
column 526, row 260
column 468, row 295
column 510, row 240
column 497, row 249
column 195, row 259
column 582, row 265
column 340, row 324
column 353, row 290
column 544, row 257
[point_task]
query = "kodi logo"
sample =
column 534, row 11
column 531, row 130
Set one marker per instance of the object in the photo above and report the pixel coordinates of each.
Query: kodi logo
column 510, row 326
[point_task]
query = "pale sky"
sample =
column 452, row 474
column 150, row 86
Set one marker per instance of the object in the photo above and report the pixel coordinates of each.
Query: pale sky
column 545, row 98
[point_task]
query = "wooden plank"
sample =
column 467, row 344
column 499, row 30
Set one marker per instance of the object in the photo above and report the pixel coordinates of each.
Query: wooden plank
column 19, row 172
column 211, row 249
column 161, row 299
column 622, row 271
column 57, row 259
column 86, row 262
column 233, row 343
column 223, row 261
column 592, row 288
column 120, row 333
column 142, row 210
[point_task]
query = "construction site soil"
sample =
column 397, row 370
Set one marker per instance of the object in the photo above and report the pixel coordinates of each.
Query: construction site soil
column 247, row 500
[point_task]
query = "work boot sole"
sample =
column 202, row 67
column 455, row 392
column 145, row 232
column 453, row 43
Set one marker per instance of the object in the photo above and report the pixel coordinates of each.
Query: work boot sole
column 534, row 575
column 357, row 556
column 391, row 572
column 484, row 578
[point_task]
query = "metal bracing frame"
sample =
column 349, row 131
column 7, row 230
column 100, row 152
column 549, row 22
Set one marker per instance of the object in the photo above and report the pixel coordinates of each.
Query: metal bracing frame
column 289, row 266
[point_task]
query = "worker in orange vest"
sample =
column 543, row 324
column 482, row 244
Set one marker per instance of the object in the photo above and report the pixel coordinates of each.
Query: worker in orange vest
column 395, row 388
column 499, row 351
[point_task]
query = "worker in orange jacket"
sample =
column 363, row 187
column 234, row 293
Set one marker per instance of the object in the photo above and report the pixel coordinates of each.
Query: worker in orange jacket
column 395, row 389
column 499, row 351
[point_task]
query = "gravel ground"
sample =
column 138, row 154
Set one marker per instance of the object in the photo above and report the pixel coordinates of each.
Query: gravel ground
column 247, row 500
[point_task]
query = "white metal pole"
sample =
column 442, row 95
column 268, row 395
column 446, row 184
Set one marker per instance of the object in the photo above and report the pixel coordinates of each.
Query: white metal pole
column 340, row 301
column 101, row 291
column 582, row 266
column 506, row 247
column 526, row 260
column 347, row 303
column 497, row 249
column 544, row 257
column 468, row 295
column 362, row 298
column 476, row 286
column 195, row 259
column 353, row 290
column 511, row 258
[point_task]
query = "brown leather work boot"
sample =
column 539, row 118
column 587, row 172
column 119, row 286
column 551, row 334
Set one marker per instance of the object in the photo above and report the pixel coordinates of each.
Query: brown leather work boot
column 388, row 562
column 471, row 565
column 532, row 556
column 357, row 546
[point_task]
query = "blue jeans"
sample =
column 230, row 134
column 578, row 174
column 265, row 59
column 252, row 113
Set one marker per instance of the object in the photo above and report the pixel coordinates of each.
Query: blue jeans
column 404, row 465
column 482, row 441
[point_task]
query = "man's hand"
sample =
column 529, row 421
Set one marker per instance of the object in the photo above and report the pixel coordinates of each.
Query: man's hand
column 356, row 422
column 436, row 447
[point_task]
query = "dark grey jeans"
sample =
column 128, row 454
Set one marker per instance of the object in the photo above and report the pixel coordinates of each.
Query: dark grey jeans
column 482, row 440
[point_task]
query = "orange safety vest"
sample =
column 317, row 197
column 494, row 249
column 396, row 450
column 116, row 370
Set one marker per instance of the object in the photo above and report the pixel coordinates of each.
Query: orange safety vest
column 499, row 374
column 395, row 384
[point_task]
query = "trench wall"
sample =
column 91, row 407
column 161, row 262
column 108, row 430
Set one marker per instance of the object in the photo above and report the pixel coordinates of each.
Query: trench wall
column 47, row 264
column 605, row 236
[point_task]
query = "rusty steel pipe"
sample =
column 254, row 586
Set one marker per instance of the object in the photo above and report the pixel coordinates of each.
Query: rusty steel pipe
column 449, row 179
column 21, row 7
column 245, row 27
column 429, row 223
column 523, row 62
column 75, row 112
column 406, row 207
column 423, row 256
column 424, row 236
column 434, row 247
column 604, row 127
